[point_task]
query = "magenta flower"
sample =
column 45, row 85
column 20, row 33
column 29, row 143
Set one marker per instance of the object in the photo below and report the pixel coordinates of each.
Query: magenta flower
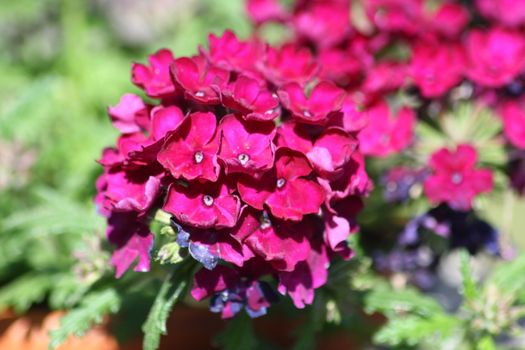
column 288, row 64
column 402, row 16
column 207, row 282
column 261, row 11
column 132, row 239
column 386, row 134
column 285, row 190
column 138, row 150
column 384, row 77
column 155, row 79
column 203, row 205
column 331, row 151
column 231, row 292
column 229, row 53
column 339, row 223
column 281, row 243
column 340, row 66
column 509, row 13
column 324, row 99
column 449, row 20
column 164, row 120
column 455, row 179
column 353, row 181
column 436, row 68
column 222, row 245
column 246, row 147
column 252, row 99
column 353, row 116
column 191, row 150
column 200, row 80
column 324, row 24
column 294, row 136
column 513, row 114
column 495, row 56
column 111, row 158
column 306, row 277
column 129, row 190
column 130, row 115
column 128, row 144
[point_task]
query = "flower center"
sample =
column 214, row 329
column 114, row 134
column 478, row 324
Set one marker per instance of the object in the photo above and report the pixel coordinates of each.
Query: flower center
column 198, row 156
column 281, row 182
column 457, row 178
column 243, row 158
column 207, row 200
column 200, row 94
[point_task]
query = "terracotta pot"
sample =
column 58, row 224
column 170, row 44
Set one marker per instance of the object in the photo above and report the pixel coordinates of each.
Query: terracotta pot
column 188, row 328
column 30, row 332
column 195, row 328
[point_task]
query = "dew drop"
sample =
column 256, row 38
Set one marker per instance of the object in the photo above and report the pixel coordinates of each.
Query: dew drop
column 200, row 94
column 281, row 182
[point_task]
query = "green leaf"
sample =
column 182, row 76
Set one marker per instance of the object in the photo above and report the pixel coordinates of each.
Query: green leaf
column 390, row 302
column 67, row 291
column 470, row 290
column 26, row 291
column 430, row 138
column 415, row 330
column 509, row 278
column 55, row 214
column 486, row 343
column 238, row 334
column 170, row 292
column 80, row 319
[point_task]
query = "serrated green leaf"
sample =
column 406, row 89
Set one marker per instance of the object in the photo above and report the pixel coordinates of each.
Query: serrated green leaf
column 91, row 311
column 486, row 343
column 509, row 277
column 470, row 290
column 67, row 291
column 414, row 330
column 171, row 291
column 392, row 302
column 429, row 138
column 238, row 334
column 26, row 291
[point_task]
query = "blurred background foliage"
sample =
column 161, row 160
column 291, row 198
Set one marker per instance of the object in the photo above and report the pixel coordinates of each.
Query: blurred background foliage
column 63, row 62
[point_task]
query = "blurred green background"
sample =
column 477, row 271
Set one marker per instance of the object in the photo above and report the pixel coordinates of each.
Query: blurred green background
column 62, row 63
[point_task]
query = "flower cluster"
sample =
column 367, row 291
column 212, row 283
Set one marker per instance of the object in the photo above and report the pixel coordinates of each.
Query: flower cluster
column 258, row 152
column 249, row 150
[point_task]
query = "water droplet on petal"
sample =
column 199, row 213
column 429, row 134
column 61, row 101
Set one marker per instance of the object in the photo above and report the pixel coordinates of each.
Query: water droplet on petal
column 200, row 94
column 281, row 182
column 307, row 114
